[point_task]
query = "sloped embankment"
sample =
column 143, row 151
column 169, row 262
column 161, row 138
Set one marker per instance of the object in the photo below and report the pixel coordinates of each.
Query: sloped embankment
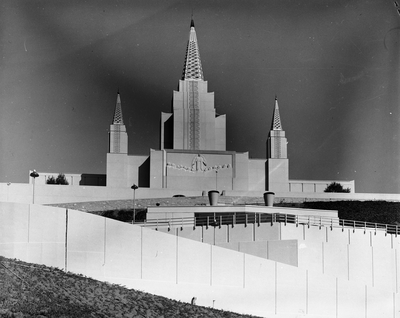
column 30, row 290
column 100, row 206
column 365, row 211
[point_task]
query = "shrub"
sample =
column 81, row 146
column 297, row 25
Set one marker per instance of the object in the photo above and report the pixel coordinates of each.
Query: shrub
column 51, row 180
column 61, row 179
column 336, row 187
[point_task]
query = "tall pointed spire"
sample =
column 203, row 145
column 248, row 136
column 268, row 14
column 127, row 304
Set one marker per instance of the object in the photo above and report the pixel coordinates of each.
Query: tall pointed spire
column 192, row 69
column 194, row 124
column 118, row 111
column 276, row 119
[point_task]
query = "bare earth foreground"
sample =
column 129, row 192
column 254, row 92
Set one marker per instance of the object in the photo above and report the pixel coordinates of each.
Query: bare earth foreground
column 31, row 290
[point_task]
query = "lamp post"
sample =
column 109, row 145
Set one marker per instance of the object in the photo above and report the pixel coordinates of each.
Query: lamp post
column 34, row 175
column 216, row 180
column 134, row 188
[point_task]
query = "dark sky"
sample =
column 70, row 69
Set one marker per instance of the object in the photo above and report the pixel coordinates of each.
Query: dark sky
column 333, row 64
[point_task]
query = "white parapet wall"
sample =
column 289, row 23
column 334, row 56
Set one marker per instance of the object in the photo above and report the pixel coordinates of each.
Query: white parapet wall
column 180, row 268
column 318, row 186
column 50, row 194
column 187, row 213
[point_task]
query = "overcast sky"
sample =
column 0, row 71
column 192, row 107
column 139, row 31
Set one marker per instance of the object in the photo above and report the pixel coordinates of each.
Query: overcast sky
column 333, row 64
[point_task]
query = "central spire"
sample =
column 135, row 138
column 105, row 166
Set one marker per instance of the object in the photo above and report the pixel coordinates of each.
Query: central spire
column 192, row 69
column 194, row 124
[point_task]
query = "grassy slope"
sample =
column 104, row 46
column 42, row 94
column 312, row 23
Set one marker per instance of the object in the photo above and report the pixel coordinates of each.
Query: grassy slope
column 122, row 209
column 30, row 290
column 368, row 211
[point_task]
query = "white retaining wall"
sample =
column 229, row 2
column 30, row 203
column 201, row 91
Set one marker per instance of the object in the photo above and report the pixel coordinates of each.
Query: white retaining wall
column 318, row 186
column 179, row 268
column 49, row 194
column 369, row 256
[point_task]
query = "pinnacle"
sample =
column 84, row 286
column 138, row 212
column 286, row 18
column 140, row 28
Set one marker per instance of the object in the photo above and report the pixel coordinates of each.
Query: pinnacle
column 192, row 69
column 276, row 120
column 118, row 111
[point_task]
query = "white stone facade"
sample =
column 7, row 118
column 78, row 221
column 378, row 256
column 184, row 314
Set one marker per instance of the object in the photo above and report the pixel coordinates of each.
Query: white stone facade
column 192, row 154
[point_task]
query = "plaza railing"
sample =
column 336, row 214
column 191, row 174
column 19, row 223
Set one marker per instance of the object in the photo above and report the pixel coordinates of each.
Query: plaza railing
column 218, row 220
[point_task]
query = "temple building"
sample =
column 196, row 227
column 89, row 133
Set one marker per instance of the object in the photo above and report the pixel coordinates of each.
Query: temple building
column 192, row 154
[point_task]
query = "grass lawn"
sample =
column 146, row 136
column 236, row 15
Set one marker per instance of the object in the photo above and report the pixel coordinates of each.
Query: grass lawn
column 31, row 290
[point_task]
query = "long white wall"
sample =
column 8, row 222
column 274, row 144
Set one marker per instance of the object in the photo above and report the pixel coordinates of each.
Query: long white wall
column 48, row 194
column 317, row 186
column 367, row 256
column 179, row 268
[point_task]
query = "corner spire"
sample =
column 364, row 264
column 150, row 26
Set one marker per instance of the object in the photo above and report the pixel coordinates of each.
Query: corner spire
column 118, row 111
column 192, row 69
column 276, row 119
column 277, row 142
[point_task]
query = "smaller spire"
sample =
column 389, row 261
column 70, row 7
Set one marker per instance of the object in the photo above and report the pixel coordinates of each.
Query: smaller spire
column 276, row 119
column 118, row 111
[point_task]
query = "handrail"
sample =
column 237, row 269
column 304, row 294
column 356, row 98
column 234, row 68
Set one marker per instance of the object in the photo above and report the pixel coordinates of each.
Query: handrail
column 258, row 218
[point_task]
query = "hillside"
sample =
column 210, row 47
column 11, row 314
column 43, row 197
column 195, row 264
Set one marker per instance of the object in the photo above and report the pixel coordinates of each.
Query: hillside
column 365, row 211
column 122, row 209
column 31, row 290
column 100, row 206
